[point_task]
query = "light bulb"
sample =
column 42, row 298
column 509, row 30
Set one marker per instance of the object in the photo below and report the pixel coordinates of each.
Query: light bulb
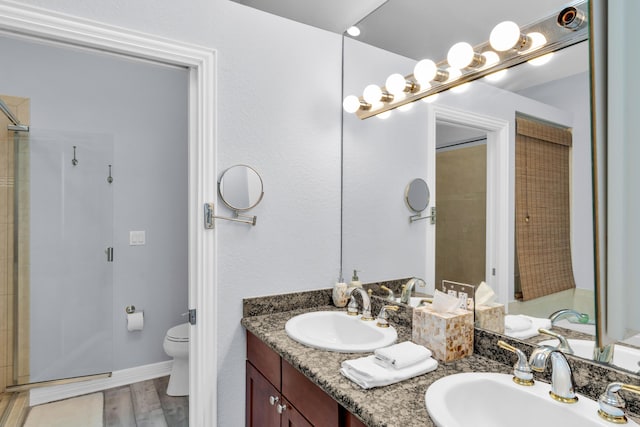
column 460, row 55
column 425, row 71
column 353, row 31
column 505, row 36
column 498, row 75
column 429, row 99
column 396, row 84
column 541, row 60
column 406, row 107
column 537, row 40
column 351, row 104
column 454, row 74
column 491, row 58
column 461, row 88
column 384, row 115
column 372, row 94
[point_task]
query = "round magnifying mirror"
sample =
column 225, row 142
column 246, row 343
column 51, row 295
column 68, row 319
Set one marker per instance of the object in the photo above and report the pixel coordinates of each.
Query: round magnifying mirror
column 417, row 195
column 240, row 187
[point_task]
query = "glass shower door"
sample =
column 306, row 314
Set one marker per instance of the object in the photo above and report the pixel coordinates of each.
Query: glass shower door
column 70, row 265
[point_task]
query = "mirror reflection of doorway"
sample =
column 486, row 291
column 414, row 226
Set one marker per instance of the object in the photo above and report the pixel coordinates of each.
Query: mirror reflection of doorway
column 461, row 189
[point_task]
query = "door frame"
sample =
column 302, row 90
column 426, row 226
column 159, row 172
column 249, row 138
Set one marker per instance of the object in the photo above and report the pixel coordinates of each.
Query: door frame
column 499, row 245
column 52, row 27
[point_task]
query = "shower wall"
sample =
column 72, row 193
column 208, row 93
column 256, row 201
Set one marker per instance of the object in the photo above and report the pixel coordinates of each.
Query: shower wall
column 20, row 108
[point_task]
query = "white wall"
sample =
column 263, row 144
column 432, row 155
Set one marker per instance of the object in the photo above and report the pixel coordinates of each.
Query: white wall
column 279, row 107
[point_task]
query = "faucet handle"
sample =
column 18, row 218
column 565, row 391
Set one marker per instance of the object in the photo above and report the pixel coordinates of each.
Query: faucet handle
column 563, row 346
column 390, row 294
column 612, row 405
column 383, row 317
column 522, row 373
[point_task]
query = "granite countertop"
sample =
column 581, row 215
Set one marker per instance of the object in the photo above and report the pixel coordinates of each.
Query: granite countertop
column 400, row 404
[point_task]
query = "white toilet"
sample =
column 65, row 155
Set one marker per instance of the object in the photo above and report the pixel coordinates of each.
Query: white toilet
column 176, row 345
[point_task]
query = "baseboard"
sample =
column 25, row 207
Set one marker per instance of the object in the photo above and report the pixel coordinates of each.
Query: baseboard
column 42, row 395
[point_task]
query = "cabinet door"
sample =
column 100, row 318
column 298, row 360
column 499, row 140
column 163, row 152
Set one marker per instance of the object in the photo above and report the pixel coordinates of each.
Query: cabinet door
column 261, row 400
column 291, row 417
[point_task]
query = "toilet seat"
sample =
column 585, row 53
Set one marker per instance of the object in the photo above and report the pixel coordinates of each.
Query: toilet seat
column 179, row 333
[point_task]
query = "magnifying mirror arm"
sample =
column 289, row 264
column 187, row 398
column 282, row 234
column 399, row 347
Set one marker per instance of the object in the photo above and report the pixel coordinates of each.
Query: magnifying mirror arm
column 418, row 216
column 209, row 217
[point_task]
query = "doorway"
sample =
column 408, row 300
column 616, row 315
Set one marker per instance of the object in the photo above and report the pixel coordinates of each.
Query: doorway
column 461, row 186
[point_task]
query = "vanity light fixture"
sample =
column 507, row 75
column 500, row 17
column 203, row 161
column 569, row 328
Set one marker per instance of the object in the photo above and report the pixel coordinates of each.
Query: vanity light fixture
column 461, row 55
column 397, row 85
column 506, row 36
column 427, row 71
column 373, row 94
column 508, row 45
column 352, row 103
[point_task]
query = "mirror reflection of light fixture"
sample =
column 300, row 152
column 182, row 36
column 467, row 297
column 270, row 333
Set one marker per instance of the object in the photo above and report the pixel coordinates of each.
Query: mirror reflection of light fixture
column 541, row 60
column 426, row 71
column 461, row 55
column 352, row 103
column 353, row 31
column 508, row 45
column 397, row 84
column 373, row 94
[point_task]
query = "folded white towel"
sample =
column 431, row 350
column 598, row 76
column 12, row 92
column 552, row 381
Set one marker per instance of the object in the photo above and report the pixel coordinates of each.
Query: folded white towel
column 536, row 323
column 368, row 374
column 516, row 323
column 401, row 355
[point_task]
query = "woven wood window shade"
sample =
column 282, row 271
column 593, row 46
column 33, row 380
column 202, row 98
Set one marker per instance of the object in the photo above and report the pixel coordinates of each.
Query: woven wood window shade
column 543, row 227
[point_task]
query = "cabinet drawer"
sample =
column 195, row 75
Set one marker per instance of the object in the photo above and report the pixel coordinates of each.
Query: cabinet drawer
column 308, row 398
column 264, row 359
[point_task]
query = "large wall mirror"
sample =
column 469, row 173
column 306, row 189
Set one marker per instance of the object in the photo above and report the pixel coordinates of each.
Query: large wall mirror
column 508, row 163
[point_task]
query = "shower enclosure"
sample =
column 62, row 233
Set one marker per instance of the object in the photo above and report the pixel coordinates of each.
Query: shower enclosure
column 62, row 253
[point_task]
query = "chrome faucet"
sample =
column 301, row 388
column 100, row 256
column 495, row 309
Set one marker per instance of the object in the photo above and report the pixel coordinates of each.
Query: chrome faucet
column 366, row 301
column 567, row 312
column 562, row 384
column 563, row 346
column 407, row 288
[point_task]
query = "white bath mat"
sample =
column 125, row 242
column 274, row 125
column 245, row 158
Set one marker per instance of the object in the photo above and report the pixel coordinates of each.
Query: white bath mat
column 82, row 411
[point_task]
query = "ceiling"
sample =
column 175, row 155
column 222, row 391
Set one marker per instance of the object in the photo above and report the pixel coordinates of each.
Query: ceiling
column 421, row 29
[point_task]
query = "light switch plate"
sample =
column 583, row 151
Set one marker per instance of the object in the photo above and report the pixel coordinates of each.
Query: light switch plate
column 137, row 238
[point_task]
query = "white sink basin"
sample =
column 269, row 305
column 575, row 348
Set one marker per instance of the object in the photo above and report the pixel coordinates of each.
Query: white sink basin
column 623, row 357
column 337, row 331
column 494, row 400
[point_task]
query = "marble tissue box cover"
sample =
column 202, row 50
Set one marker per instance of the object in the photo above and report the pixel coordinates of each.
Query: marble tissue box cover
column 490, row 317
column 448, row 335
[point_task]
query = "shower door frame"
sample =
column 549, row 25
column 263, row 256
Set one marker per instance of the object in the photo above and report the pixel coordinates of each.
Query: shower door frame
column 48, row 26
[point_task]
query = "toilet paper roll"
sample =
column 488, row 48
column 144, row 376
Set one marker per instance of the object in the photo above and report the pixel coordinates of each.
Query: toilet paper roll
column 135, row 321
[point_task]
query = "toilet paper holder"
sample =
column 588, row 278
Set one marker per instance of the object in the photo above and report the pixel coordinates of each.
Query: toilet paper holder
column 130, row 309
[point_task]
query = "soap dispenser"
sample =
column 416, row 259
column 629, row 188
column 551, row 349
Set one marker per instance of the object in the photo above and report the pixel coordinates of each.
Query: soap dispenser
column 355, row 281
column 339, row 294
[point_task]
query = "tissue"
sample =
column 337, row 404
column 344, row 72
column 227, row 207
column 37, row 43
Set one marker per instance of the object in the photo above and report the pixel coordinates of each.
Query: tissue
column 489, row 314
column 484, row 294
column 444, row 303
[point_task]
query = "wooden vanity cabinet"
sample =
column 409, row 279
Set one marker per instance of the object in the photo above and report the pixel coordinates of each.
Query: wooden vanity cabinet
column 277, row 394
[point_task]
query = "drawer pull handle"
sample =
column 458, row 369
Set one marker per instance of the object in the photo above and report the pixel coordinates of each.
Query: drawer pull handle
column 273, row 400
column 281, row 408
